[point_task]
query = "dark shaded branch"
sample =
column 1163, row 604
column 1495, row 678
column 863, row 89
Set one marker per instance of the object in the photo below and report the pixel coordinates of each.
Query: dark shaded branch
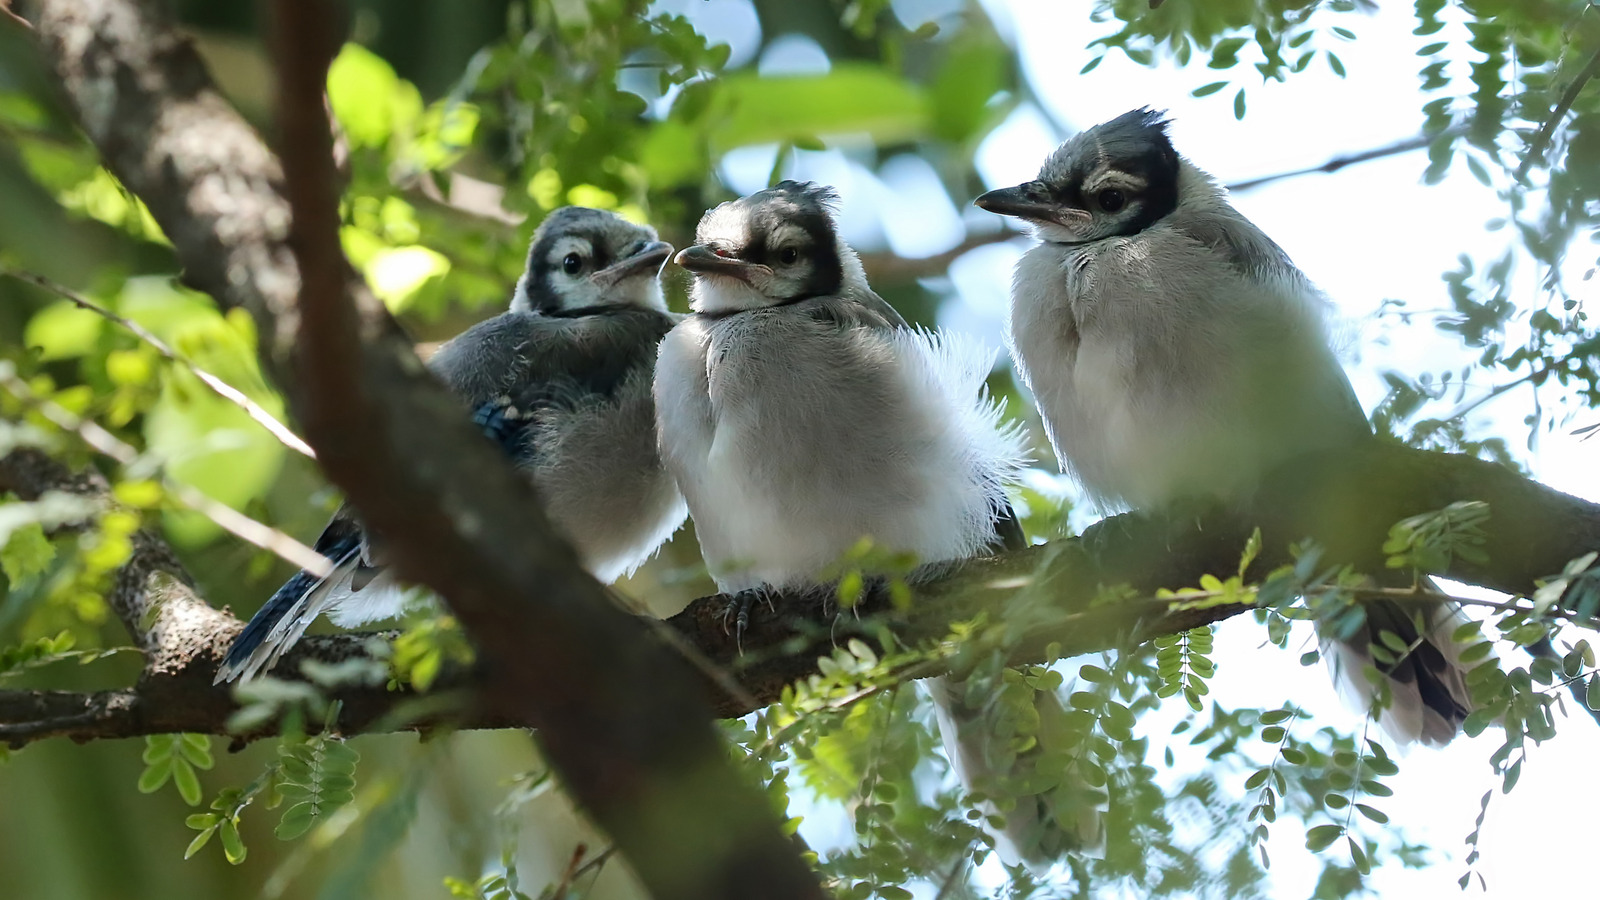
column 455, row 515
column 1547, row 130
column 650, row 767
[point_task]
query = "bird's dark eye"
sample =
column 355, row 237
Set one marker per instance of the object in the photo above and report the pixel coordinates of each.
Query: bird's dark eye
column 1110, row 199
column 573, row 264
column 788, row 256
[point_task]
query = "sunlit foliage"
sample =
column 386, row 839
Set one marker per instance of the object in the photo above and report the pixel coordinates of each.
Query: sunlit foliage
column 621, row 105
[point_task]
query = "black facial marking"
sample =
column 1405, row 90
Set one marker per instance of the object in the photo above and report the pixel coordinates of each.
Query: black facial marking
column 1135, row 142
column 568, row 221
column 808, row 207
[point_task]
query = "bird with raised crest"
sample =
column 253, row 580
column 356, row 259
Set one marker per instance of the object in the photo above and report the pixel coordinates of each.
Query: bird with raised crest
column 1177, row 354
column 800, row 413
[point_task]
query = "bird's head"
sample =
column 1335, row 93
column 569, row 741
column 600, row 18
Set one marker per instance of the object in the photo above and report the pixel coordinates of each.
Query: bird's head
column 776, row 246
column 1116, row 178
column 582, row 258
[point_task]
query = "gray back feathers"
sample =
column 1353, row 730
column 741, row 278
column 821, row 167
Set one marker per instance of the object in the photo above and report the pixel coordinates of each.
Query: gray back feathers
column 562, row 383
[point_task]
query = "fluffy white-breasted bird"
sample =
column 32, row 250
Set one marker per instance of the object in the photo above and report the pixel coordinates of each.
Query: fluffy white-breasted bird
column 1176, row 352
column 800, row 413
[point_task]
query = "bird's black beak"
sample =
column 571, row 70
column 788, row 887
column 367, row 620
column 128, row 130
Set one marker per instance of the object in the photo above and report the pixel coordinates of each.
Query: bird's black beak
column 648, row 259
column 707, row 261
column 1029, row 201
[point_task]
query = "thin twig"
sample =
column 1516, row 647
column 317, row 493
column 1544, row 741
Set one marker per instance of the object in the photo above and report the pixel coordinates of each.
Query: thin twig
column 1494, row 392
column 955, row 872
column 226, row 517
column 5, row 7
column 884, row 268
column 222, row 388
column 1339, row 162
column 1541, row 140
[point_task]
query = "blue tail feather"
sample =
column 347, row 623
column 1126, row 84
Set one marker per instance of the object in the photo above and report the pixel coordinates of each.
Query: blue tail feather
column 341, row 538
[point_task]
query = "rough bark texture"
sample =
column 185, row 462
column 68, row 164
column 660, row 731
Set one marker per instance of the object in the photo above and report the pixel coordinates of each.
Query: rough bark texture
column 621, row 718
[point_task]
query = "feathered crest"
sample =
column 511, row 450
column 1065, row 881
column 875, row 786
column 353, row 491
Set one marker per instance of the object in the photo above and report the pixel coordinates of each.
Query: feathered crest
column 824, row 196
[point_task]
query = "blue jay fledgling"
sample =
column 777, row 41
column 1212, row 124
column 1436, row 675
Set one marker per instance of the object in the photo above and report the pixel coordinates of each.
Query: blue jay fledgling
column 562, row 383
column 799, row 413
column 1176, row 352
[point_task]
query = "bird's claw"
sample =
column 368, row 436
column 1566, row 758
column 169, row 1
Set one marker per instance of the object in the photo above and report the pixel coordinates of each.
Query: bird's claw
column 738, row 609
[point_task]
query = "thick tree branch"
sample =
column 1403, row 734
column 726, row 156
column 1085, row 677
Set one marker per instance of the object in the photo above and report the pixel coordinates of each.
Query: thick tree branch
column 622, row 719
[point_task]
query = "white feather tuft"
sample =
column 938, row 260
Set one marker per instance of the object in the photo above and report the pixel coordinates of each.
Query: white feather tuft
column 982, row 452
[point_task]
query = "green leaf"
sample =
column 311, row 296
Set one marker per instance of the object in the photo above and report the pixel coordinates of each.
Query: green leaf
column 370, row 101
column 28, row 552
column 1384, row 767
column 157, row 747
column 1479, row 719
column 188, row 783
column 196, row 748
column 297, row 820
column 155, row 775
column 1238, row 104
column 974, row 70
column 1358, row 857
column 1322, row 837
column 63, row 331
column 1207, row 90
column 200, row 840
column 1375, row 815
column 749, row 108
column 1226, row 53
column 232, row 844
column 1513, row 773
column 1094, row 674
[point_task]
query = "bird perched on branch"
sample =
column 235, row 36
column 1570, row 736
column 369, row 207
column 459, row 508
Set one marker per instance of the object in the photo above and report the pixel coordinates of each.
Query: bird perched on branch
column 800, row 413
column 562, row 383
column 1176, row 353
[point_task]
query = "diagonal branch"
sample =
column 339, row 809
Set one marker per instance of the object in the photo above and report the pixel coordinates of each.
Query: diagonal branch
column 223, row 389
column 151, row 594
column 224, row 516
column 1348, row 159
column 1547, row 130
column 258, row 236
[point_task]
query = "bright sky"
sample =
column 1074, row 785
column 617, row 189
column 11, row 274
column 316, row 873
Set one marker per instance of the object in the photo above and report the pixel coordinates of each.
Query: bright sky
column 1367, row 233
